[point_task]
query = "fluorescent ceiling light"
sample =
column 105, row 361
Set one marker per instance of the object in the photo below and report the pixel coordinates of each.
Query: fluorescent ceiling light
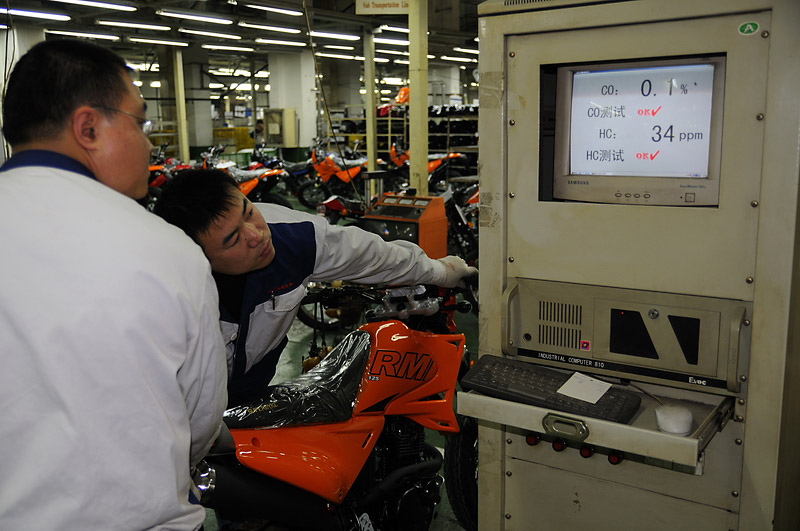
column 227, row 48
column 394, row 81
column 282, row 43
column 396, row 42
column 394, row 28
column 157, row 41
column 289, row 12
column 341, row 36
column 375, row 60
column 214, row 96
column 402, row 62
column 101, row 5
column 334, row 55
column 458, row 59
column 138, row 83
column 84, row 35
column 152, row 67
column 135, row 25
column 466, row 50
column 210, row 34
column 155, row 84
column 34, row 14
column 339, row 47
column 216, row 85
column 268, row 28
column 392, row 52
column 242, row 86
column 262, row 73
column 192, row 16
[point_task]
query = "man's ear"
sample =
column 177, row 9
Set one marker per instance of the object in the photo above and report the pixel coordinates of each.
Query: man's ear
column 85, row 122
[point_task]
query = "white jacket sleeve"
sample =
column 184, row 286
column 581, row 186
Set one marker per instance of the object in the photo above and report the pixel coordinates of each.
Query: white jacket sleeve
column 349, row 253
column 203, row 376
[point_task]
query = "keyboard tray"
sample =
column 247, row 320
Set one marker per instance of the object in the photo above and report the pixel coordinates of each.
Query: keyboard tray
column 532, row 384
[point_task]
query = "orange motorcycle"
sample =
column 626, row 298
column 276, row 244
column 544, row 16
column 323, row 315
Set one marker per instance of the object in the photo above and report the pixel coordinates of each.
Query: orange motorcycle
column 440, row 167
column 342, row 447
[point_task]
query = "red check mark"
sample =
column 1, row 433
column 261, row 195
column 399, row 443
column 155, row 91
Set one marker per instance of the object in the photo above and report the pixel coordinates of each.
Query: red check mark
column 654, row 155
column 655, row 111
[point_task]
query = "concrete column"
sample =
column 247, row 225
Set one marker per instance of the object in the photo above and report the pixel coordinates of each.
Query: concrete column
column 198, row 103
column 291, row 77
column 418, row 95
column 370, row 111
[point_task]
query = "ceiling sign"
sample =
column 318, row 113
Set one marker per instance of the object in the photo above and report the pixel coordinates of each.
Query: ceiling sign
column 382, row 7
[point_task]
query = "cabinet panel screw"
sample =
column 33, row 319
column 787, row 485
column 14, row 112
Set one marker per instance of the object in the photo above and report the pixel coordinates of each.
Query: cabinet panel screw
column 743, row 378
column 746, row 322
column 508, row 473
column 510, row 258
column 512, row 122
column 512, row 195
column 738, row 441
column 754, row 204
column 735, row 493
column 749, row 280
column 738, row 418
column 760, row 116
column 508, row 441
column 508, row 516
column 740, row 401
column 512, row 54
column 765, row 34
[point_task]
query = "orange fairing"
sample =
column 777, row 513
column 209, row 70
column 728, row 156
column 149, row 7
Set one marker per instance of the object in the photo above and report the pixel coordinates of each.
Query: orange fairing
column 407, row 372
column 247, row 186
column 323, row 458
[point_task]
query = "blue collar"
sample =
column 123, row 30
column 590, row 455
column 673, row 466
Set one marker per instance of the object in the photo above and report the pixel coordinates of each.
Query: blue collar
column 41, row 157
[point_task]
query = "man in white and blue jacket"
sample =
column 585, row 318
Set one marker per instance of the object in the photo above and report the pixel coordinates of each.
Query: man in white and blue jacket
column 263, row 256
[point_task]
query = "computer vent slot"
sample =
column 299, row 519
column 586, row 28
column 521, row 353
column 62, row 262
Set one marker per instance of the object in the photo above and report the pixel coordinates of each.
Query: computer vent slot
column 559, row 337
column 557, row 334
column 559, row 312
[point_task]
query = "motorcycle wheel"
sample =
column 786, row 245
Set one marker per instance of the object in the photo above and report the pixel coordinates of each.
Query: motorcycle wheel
column 311, row 193
column 314, row 315
column 461, row 472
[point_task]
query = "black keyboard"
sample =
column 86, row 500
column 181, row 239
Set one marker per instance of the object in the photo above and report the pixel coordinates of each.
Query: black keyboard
column 525, row 382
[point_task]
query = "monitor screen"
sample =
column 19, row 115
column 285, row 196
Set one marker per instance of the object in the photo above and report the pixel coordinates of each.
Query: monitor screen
column 646, row 133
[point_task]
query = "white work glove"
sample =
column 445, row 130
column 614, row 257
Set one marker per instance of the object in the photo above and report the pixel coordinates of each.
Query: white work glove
column 455, row 268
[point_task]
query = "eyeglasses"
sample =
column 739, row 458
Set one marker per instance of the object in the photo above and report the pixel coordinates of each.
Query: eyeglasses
column 146, row 125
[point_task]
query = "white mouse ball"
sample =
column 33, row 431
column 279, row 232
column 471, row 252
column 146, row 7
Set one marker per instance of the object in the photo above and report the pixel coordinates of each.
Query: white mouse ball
column 673, row 419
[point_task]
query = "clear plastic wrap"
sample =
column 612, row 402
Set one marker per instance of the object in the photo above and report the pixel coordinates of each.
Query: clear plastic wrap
column 324, row 394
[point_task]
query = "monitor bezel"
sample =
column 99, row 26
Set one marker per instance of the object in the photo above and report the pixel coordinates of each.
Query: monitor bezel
column 636, row 189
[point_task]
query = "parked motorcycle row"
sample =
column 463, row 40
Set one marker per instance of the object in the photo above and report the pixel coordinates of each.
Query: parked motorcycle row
column 335, row 182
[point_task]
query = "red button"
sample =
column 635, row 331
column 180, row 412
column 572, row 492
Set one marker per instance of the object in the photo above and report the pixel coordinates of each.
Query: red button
column 587, row 450
column 559, row 445
column 532, row 439
column 615, row 457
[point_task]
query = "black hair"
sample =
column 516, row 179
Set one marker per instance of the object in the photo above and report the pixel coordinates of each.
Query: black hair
column 194, row 199
column 52, row 80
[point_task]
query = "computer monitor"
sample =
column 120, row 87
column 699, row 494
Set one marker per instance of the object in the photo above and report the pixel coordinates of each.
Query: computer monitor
column 646, row 132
